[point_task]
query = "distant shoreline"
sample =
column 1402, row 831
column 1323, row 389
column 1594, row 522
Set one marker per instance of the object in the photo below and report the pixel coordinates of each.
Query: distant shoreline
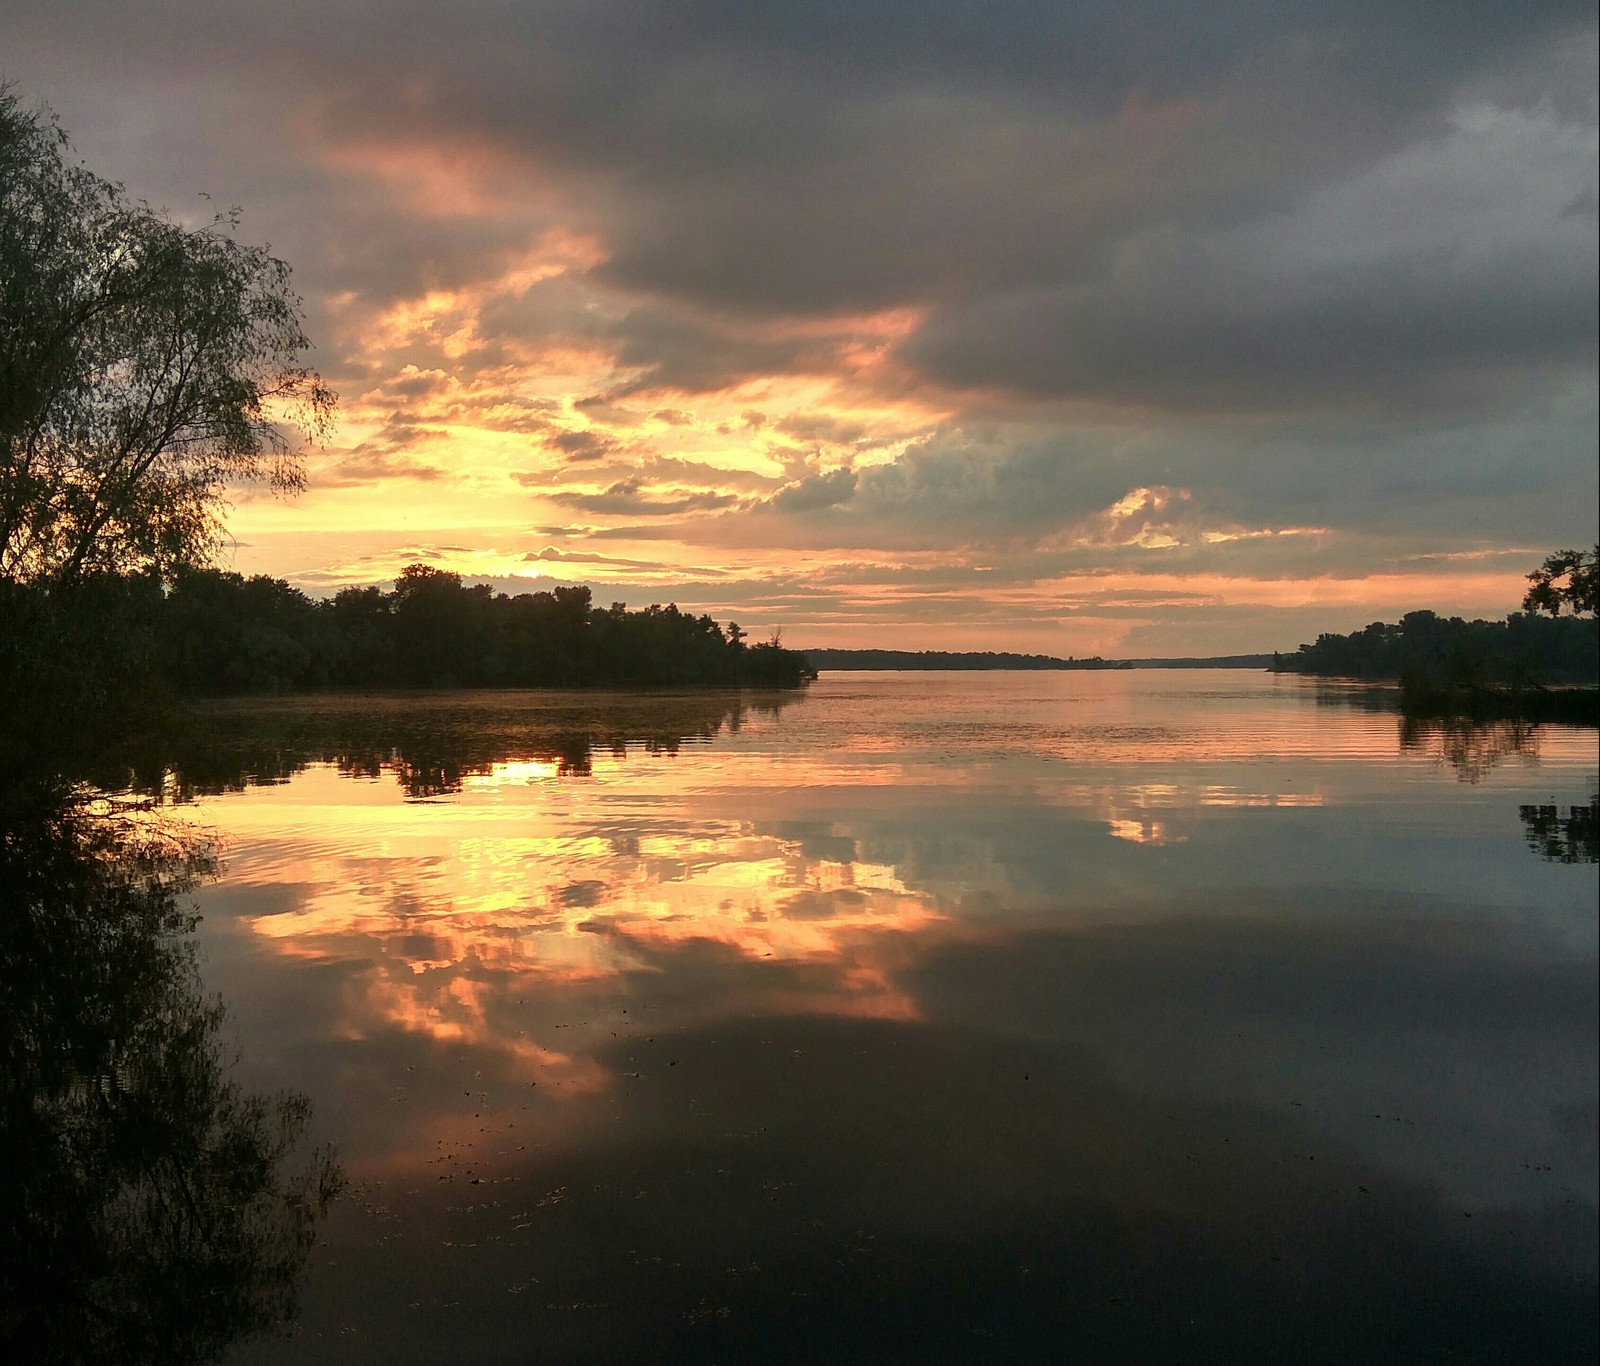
column 909, row 661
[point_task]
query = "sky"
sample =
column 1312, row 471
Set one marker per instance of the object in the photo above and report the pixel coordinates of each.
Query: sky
column 1083, row 328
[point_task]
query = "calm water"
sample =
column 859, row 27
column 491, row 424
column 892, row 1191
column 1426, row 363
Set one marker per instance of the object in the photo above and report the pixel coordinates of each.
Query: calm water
column 1089, row 1017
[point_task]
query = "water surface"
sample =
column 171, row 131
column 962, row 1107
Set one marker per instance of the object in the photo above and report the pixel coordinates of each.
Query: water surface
column 1201, row 1016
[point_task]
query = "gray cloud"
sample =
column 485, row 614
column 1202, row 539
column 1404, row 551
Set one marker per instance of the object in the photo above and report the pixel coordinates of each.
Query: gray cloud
column 822, row 427
column 1520, row 476
column 551, row 554
column 815, row 491
column 675, row 348
column 627, row 498
column 1440, row 276
column 1122, row 202
column 577, row 445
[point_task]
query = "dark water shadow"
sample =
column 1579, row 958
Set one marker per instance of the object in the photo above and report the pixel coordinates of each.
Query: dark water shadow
column 151, row 1209
column 1131, row 1145
column 806, row 1189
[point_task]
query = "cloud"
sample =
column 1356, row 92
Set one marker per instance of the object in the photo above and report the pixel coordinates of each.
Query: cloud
column 387, row 454
column 577, row 445
column 823, row 427
column 374, row 468
column 1256, row 206
column 1437, row 276
column 627, row 497
column 411, row 385
column 1324, row 268
column 815, row 491
column 668, row 348
column 552, row 555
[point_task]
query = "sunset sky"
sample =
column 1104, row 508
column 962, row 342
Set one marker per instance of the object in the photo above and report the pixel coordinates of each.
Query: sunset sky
column 1114, row 328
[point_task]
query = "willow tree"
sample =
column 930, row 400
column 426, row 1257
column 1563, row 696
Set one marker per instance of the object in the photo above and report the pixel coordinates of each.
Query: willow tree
column 145, row 367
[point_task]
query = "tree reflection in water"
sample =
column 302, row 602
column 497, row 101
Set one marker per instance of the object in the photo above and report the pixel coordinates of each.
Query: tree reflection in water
column 152, row 1210
column 1471, row 745
column 430, row 743
column 1570, row 838
column 1472, row 748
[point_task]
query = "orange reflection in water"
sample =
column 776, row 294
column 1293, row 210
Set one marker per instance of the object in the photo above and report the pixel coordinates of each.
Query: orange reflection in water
column 477, row 887
column 460, row 913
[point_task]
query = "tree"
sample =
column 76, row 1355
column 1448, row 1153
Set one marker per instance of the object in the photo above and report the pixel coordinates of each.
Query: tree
column 431, row 629
column 1580, row 591
column 144, row 367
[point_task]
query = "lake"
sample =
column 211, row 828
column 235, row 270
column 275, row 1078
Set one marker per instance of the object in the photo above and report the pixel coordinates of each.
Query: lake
column 1201, row 1016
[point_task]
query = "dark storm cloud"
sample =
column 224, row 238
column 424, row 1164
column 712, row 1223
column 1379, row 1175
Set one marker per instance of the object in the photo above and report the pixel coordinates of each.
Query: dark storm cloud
column 752, row 143
column 826, row 157
column 805, row 160
column 1441, row 276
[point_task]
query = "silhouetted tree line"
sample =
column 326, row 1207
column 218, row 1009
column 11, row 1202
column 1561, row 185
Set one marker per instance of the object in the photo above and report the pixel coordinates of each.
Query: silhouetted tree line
column 80, row 680
column 1446, row 660
column 211, row 633
column 222, row 633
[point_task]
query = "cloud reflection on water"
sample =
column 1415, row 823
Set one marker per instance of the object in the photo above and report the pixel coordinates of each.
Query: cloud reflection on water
column 483, row 913
column 884, row 966
column 450, row 919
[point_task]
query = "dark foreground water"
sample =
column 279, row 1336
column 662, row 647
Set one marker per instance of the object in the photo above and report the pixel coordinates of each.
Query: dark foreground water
column 1085, row 1017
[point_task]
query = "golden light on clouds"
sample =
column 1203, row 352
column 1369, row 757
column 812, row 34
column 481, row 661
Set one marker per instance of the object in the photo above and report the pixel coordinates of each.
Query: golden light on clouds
column 562, row 461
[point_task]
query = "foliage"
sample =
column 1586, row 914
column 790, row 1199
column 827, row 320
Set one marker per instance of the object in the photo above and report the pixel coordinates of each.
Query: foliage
column 1580, row 591
column 221, row 633
column 143, row 365
column 79, row 675
column 1523, row 651
column 153, row 1211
